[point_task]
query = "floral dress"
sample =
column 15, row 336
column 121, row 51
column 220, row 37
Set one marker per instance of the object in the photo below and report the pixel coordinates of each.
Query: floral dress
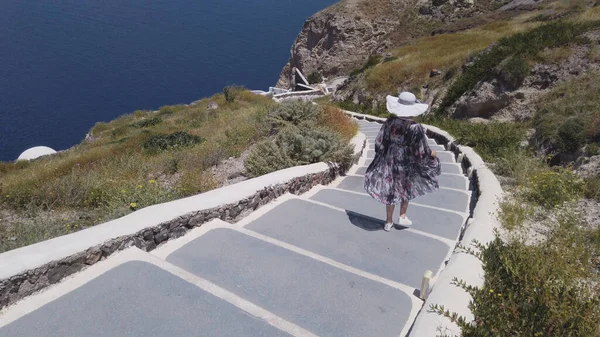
column 403, row 167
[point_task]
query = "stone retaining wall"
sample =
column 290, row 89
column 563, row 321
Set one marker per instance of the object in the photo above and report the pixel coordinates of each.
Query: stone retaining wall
column 26, row 283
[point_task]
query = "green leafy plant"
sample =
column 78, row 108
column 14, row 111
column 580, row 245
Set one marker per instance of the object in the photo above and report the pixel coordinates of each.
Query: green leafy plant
column 177, row 140
column 314, row 77
column 144, row 123
column 552, row 188
column 232, row 92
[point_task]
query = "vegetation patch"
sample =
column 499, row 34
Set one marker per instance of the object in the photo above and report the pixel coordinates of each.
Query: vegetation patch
column 232, row 92
column 144, row 123
column 568, row 117
column 492, row 141
column 414, row 61
column 305, row 134
column 527, row 45
column 127, row 168
column 175, row 141
column 371, row 62
column 314, row 77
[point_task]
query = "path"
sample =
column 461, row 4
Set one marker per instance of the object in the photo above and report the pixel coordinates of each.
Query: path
column 312, row 265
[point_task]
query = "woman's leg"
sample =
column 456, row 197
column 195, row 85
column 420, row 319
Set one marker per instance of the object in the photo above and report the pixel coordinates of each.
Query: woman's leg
column 403, row 208
column 389, row 213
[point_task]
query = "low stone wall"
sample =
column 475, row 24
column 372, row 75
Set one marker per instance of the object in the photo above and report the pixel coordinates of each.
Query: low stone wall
column 480, row 227
column 28, row 275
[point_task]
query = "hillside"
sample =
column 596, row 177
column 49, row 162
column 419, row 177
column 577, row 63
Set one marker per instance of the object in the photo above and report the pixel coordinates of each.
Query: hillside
column 151, row 157
column 341, row 38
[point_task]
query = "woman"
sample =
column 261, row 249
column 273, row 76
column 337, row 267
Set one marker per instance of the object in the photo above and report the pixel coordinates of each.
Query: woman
column 404, row 166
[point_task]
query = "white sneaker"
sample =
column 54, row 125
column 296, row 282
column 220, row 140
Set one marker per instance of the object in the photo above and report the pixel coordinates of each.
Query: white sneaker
column 388, row 226
column 404, row 221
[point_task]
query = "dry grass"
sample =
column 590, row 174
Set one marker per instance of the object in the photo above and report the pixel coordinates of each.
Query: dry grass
column 591, row 14
column 335, row 119
column 556, row 55
column 446, row 51
column 112, row 174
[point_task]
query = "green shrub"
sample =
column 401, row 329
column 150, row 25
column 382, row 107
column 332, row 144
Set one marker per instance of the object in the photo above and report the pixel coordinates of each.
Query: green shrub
column 174, row 141
column 295, row 113
column 298, row 146
column 267, row 157
column 535, row 290
column 314, row 77
column 232, row 92
column 569, row 115
column 144, row 123
column 592, row 149
column 313, row 145
column 592, row 188
column 514, row 70
column 552, row 188
column 571, row 135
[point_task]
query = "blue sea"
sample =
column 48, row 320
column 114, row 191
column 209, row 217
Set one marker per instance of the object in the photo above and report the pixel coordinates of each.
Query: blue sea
column 67, row 64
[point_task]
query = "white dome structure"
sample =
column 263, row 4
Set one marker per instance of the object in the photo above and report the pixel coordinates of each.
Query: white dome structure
column 35, row 152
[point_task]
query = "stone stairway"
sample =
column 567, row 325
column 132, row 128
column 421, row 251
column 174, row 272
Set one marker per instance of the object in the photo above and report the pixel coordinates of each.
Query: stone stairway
column 318, row 264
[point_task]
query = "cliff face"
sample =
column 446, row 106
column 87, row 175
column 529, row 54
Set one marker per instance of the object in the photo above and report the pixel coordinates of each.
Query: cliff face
column 333, row 41
column 340, row 38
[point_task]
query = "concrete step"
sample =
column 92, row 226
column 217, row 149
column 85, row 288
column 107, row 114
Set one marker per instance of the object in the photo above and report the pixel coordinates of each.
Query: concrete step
column 138, row 299
column 316, row 296
column 354, row 239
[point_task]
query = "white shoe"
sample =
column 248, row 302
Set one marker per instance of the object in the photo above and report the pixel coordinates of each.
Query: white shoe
column 404, row 221
column 388, row 226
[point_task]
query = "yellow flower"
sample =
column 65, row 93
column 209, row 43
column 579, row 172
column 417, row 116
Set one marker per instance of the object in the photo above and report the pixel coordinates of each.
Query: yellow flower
column 133, row 205
column 140, row 186
column 491, row 290
column 152, row 181
column 123, row 191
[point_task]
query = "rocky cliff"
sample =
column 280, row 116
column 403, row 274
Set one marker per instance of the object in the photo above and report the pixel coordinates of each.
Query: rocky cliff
column 341, row 38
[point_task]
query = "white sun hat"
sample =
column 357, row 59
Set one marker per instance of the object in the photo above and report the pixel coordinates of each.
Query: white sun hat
column 405, row 105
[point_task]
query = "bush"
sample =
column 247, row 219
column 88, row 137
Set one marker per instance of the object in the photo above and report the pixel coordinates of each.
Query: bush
column 569, row 115
column 295, row 113
column 571, row 135
column 298, row 146
column 592, row 188
column 314, row 77
column 144, row 123
column 174, row 141
column 195, row 181
column 514, row 70
column 549, row 188
column 535, row 290
column 232, row 92
column 267, row 157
